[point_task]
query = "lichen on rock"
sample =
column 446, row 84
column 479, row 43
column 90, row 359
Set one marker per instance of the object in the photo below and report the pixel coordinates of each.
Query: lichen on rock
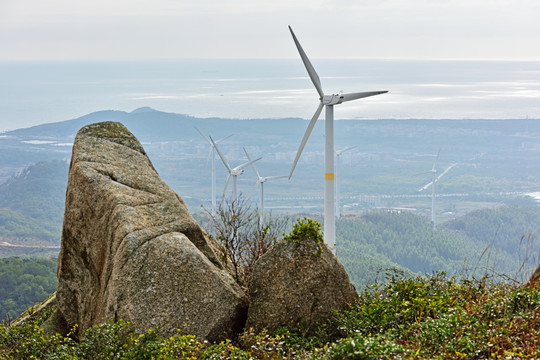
column 114, row 132
column 298, row 283
column 131, row 250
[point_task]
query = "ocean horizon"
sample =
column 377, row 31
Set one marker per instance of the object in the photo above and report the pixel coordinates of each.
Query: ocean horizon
column 34, row 93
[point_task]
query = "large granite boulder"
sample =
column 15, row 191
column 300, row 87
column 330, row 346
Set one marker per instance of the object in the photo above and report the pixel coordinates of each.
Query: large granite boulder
column 132, row 251
column 297, row 284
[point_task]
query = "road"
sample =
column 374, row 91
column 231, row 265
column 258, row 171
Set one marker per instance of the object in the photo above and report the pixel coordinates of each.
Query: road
column 7, row 244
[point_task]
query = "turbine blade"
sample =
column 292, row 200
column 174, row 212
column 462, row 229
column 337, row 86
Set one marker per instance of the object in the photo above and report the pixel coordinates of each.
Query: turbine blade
column 444, row 172
column 310, row 69
column 433, row 169
column 252, row 191
column 426, row 186
column 252, row 165
column 339, row 152
column 204, row 137
column 223, row 138
column 240, row 167
column 226, row 185
column 276, row 177
column 306, row 136
column 223, row 159
column 208, row 141
column 354, row 96
column 209, row 154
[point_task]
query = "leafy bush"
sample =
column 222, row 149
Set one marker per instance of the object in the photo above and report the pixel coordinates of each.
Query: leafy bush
column 304, row 230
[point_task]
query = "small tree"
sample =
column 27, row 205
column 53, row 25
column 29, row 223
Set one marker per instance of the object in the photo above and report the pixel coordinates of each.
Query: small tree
column 237, row 228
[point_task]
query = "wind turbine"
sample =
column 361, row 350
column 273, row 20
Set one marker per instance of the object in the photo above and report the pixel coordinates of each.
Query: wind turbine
column 260, row 181
column 435, row 178
column 327, row 101
column 213, row 153
column 233, row 172
column 338, row 156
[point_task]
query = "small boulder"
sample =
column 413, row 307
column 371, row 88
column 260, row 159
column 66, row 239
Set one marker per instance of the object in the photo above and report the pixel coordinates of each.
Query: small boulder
column 131, row 250
column 298, row 283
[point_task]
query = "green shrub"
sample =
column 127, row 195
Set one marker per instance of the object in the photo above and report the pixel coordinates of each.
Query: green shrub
column 420, row 318
column 358, row 347
column 225, row 350
column 304, row 230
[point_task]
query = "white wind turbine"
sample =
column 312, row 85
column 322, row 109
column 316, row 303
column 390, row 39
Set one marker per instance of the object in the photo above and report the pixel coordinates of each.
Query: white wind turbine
column 233, row 172
column 435, row 178
column 338, row 164
column 329, row 101
column 260, row 181
column 213, row 153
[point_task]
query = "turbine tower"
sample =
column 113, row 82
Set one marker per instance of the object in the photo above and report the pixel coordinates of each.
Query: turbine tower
column 213, row 153
column 327, row 101
column 435, row 178
column 260, row 181
column 338, row 163
column 233, row 172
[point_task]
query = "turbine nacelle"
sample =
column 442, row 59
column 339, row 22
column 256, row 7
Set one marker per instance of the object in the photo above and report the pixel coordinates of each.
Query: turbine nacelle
column 336, row 99
column 236, row 172
column 333, row 99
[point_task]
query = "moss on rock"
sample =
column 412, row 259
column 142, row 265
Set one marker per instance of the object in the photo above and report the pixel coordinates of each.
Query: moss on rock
column 113, row 131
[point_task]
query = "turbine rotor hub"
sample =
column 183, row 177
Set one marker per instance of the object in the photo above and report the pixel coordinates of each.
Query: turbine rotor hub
column 333, row 99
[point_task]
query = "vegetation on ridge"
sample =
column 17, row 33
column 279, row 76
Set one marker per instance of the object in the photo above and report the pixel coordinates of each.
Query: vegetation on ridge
column 434, row 317
column 24, row 282
column 489, row 242
column 306, row 230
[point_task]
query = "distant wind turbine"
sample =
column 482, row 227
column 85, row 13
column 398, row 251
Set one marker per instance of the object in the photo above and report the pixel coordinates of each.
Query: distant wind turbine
column 233, row 172
column 338, row 163
column 435, row 178
column 260, row 181
column 212, row 153
column 329, row 101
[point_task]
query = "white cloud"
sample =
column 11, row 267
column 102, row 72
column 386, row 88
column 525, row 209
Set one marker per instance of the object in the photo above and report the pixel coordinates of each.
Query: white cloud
column 127, row 29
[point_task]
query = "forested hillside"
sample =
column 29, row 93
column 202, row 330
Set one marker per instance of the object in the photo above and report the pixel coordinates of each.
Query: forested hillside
column 486, row 242
column 24, row 282
column 32, row 203
column 509, row 228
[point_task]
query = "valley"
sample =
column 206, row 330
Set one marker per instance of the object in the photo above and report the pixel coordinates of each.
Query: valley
column 492, row 164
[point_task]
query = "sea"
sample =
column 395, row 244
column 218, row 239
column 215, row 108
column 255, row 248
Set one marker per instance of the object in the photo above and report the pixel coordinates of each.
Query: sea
column 33, row 93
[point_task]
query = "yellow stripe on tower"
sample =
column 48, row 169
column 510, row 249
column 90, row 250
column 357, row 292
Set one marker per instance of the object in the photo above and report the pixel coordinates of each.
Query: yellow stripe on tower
column 329, row 176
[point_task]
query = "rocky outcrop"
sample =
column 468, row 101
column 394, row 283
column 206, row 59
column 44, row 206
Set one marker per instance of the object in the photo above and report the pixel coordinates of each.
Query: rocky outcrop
column 297, row 284
column 132, row 251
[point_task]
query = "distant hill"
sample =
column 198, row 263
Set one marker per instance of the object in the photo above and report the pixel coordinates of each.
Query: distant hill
column 148, row 124
column 493, row 156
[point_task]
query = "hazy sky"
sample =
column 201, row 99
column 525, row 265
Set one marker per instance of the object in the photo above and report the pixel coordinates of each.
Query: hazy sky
column 172, row 29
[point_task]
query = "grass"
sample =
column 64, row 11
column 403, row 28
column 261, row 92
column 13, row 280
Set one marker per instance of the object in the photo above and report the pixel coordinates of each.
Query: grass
column 433, row 317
